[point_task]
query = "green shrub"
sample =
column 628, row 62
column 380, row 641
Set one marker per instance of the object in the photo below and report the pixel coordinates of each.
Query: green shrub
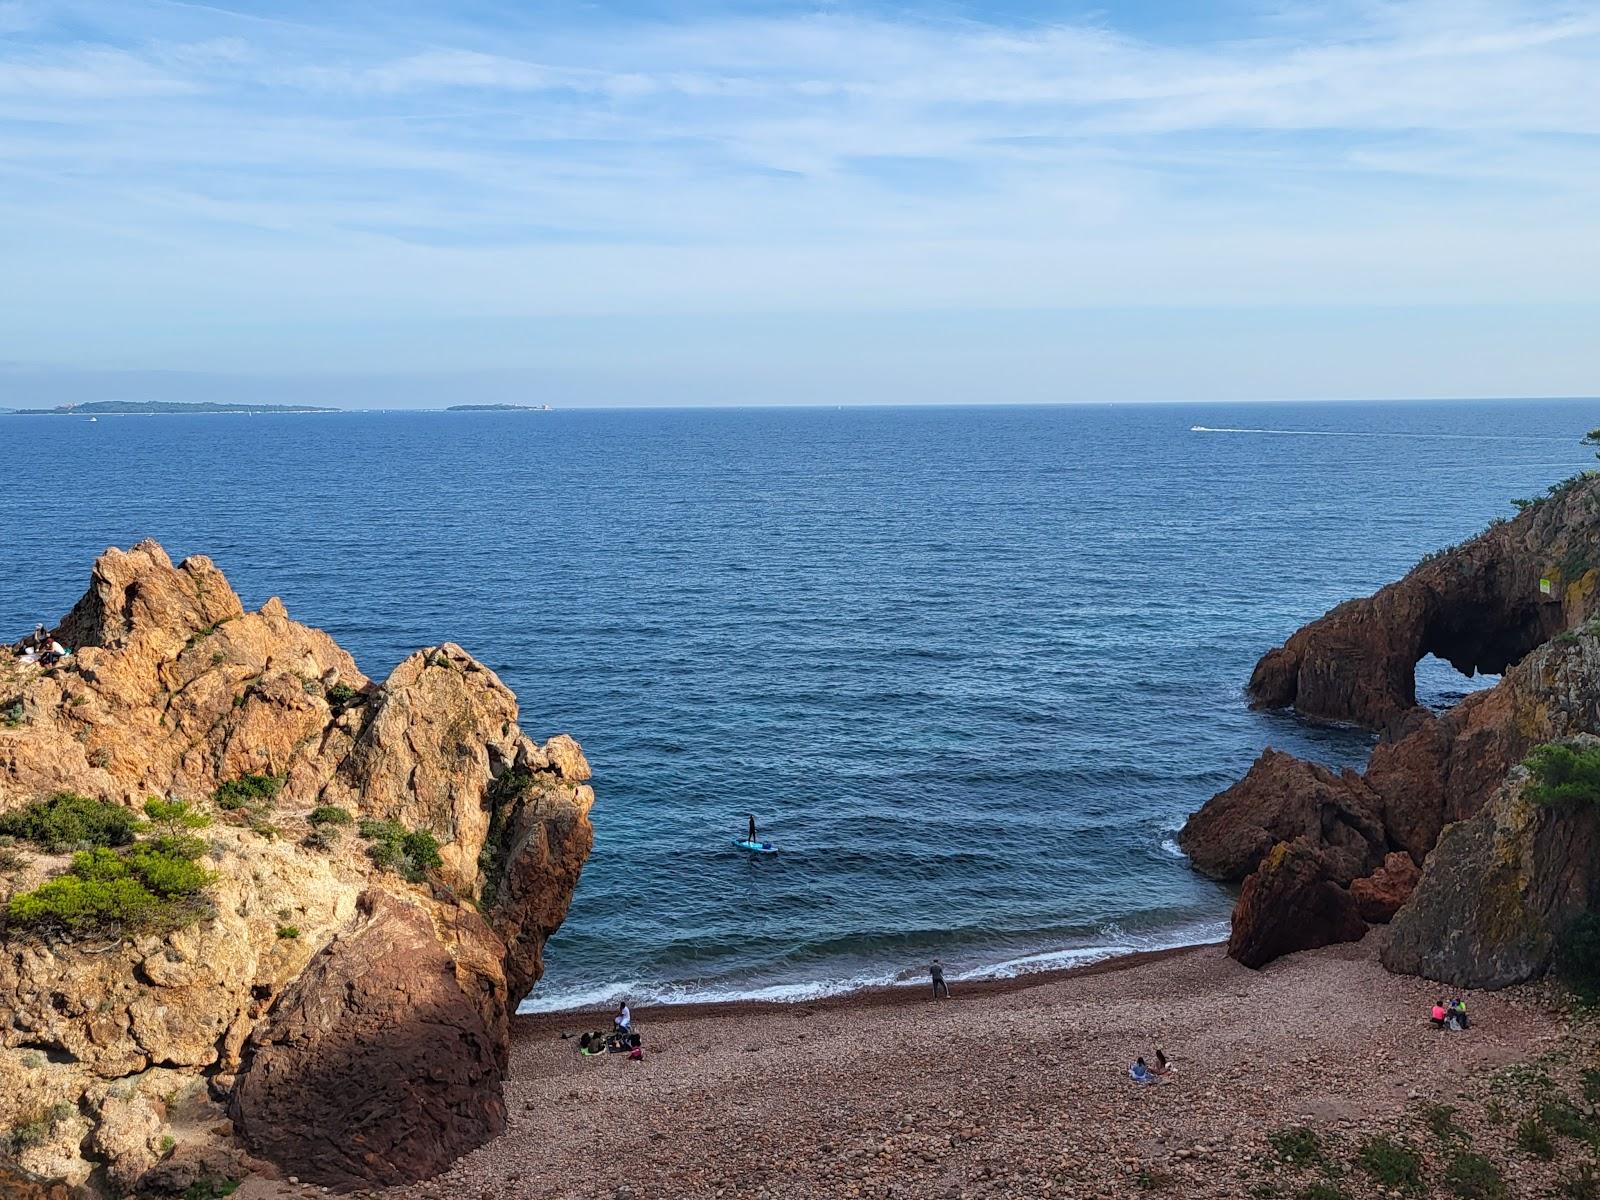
column 288, row 932
column 1578, row 957
column 1392, row 1163
column 34, row 1127
column 1585, row 1185
column 173, row 817
column 410, row 853
column 1533, row 1138
column 210, row 1189
column 1561, row 1117
column 68, row 821
column 248, row 791
column 1591, row 1085
column 146, row 889
column 329, row 814
column 1151, row 1180
column 1300, row 1145
column 1563, row 776
column 14, row 714
column 342, row 695
column 1441, row 1121
column 1474, row 1177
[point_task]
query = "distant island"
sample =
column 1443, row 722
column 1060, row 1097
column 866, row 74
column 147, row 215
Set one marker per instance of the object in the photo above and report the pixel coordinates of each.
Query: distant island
column 126, row 407
column 498, row 408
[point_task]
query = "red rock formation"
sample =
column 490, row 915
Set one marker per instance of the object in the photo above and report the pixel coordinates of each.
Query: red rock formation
column 174, row 689
column 1283, row 798
column 1379, row 896
column 1479, row 606
column 376, row 1066
column 1292, row 902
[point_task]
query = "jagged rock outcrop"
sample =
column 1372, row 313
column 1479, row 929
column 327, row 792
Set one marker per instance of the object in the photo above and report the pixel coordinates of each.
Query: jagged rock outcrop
column 1281, row 799
column 1499, row 890
column 174, row 690
column 1379, row 896
column 1479, row 606
column 1291, row 902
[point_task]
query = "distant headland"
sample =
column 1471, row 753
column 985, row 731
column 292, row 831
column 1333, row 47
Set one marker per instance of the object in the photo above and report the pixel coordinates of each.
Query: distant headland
column 128, row 407
column 498, row 408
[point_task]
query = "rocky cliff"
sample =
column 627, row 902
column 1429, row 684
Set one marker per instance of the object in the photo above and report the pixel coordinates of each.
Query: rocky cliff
column 340, row 1007
column 1518, row 598
column 1478, row 605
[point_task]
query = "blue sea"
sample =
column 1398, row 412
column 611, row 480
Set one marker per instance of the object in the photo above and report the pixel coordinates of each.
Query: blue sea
column 969, row 667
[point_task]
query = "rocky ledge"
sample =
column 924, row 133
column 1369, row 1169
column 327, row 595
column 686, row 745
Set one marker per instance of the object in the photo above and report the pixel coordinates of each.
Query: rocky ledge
column 383, row 864
column 1434, row 834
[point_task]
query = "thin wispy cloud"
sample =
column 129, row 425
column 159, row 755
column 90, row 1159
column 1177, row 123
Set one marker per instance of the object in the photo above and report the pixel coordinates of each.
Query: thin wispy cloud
column 159, row 157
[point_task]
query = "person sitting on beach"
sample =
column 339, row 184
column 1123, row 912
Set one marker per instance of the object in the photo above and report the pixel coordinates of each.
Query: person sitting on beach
column 1162, row 1067
column 1140, row 1073
column 1438, row 1015
column 1458, row 1014
column 593, row 1044
column 624, row 1018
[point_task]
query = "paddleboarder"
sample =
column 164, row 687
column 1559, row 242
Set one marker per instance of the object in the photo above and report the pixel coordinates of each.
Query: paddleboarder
column 752, row 838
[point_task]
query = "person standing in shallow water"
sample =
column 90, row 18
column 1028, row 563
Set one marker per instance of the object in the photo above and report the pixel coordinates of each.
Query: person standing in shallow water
column 936, row 970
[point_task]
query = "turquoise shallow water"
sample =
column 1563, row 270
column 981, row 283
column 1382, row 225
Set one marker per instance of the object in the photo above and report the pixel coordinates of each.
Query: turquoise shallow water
column 970, row 667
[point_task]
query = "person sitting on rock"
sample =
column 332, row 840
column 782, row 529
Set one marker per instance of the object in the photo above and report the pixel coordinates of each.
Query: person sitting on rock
column 1140, row 1073
column 1162, row 1068
column 1439, row 1014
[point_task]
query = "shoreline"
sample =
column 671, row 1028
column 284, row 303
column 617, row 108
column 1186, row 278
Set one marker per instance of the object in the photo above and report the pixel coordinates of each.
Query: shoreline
column 576, row 1020
column 1017, row 1089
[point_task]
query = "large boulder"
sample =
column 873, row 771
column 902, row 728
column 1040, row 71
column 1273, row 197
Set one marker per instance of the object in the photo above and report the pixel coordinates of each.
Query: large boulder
column 1292, row 902
column 1284, row 798
column 173, row 690
column 377, row 1064
column 1498, row 891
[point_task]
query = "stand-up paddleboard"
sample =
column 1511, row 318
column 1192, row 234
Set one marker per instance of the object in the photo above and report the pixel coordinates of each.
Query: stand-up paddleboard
column 755, row 847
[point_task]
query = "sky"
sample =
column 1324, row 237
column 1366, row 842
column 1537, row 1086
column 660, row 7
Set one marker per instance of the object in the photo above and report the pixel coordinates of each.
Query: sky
column 636, row 202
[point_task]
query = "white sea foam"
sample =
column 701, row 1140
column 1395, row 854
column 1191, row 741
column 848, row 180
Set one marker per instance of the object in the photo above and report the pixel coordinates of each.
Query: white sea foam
column 1111, row 943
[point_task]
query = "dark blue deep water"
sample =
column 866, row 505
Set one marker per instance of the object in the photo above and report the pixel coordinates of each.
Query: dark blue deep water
column 970, row 667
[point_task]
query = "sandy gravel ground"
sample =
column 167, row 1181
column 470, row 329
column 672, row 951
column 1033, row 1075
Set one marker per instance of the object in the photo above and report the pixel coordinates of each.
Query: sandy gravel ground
column 1023, row 1092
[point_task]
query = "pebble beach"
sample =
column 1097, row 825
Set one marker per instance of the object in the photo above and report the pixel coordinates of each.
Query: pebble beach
column 1020, row 1089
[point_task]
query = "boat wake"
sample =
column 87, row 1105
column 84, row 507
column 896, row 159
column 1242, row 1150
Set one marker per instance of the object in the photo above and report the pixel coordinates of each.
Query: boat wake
column 1379, row 433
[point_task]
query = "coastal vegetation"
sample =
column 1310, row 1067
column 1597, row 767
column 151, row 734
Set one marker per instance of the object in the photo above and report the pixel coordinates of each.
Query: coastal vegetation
column 67, row 821
column 409, row 853
column 247, row 791
column 146, row 886
column 1564, row 776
